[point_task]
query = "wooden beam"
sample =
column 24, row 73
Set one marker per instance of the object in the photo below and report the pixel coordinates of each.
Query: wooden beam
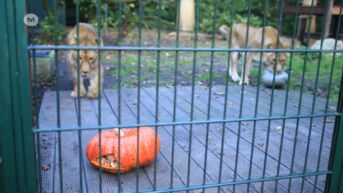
column 328, row 18
column 307, row 10
column 303, row 10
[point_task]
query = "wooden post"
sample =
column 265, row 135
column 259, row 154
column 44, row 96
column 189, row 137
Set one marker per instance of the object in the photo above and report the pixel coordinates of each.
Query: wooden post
column 187, row 15
column 328, row 18
column 313, row 20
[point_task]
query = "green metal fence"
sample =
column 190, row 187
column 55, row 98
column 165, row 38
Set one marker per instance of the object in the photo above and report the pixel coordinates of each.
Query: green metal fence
column 220, row 143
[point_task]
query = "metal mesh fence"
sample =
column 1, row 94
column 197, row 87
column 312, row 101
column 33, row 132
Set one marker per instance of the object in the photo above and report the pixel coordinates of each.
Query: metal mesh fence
column 216, row 135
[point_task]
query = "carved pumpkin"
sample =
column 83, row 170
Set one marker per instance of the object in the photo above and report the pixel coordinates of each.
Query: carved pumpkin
column 128, row 149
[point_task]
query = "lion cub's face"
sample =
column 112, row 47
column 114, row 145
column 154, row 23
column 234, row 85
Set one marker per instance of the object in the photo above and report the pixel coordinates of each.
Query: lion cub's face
column 88, row 62
column 275, row 61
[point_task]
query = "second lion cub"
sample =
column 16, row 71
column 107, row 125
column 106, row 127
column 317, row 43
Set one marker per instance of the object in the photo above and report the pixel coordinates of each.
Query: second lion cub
column 271, row 60
column 88, row 61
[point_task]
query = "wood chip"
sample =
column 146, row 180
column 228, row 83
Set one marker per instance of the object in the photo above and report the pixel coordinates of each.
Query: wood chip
column 46, row 167
column 278, row 128
column 328, row 121
column 230, row 102
column 219, row 93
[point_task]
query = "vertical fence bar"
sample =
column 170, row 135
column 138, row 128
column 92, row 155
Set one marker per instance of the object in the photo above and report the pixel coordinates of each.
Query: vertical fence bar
column 242, row 94
column 266, row 5
column 15, row 119
column 140, row 15
column 272, row 93
column 58, row 122
column 98, row 15
column 227, row 76
column 333, row 145
column 175, row 95
column 295, row 29
column 120, row 33
column 314, row 98
column 191, row 118
column 210, row 89
column 36, row 113
column 159, row 10
column 334, row 182
column 78, row 93
column 300, row 99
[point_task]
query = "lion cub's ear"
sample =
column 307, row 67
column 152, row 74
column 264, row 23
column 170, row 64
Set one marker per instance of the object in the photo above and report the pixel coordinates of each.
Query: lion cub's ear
column 96, row 41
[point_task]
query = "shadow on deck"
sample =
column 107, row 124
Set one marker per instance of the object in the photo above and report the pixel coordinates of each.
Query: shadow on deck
column 258, row 144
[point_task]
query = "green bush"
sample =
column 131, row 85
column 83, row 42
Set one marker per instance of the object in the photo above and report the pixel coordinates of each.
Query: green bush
column 206, row 8
column 125, row 14
column 49, row 31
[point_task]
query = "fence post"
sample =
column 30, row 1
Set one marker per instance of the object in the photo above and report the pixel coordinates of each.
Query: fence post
column 335, row 181
column 17, row 163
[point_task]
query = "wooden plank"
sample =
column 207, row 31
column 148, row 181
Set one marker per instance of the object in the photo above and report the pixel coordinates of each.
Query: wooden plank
column 109, row 116
column 199, row 136
column 303, row 10
column 334, row 10
column 327, row 19
column 181, row 146
column 163, row 161
column 244, row 151
column 204, row 100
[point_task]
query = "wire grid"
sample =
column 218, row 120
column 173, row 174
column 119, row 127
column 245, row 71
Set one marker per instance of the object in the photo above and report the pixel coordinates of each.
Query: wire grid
column 220, row 183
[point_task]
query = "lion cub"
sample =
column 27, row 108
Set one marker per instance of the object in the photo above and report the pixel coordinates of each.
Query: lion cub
column 269, row 59
column 88, row 61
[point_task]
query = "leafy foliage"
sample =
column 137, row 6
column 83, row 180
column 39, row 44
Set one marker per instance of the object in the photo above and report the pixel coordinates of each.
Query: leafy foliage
column 210, row 13
column 50, row 31
column 125, row 15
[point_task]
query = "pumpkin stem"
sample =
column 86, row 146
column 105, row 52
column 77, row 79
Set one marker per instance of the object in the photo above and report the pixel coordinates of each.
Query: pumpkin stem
column 119, row 132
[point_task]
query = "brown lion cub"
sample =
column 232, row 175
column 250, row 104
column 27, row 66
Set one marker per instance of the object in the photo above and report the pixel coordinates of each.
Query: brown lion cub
column 88, row 59
column 254, row 40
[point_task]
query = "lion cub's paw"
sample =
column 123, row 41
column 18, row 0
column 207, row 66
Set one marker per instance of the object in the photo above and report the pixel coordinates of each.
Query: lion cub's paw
column 92, row 95
column 246, row 82
column 74, row 94
column 236, row 78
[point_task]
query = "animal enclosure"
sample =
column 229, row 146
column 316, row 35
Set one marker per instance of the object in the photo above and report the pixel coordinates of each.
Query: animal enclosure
column 216, row 135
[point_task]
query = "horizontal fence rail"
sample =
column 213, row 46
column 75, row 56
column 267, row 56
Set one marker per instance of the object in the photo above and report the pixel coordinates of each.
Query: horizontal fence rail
column 164, row 123
column 185, row 49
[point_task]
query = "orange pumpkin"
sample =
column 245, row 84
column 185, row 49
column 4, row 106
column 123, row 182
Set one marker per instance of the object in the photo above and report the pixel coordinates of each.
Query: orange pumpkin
column 128, row 149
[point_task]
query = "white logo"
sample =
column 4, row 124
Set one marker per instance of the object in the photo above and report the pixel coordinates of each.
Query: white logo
column 31, row 19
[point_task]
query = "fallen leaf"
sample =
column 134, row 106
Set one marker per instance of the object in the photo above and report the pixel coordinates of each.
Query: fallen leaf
column 230, row 102
column 46, row 167
column 332, row 108
column 328, row 121
column 219, row 93
column 278, row 128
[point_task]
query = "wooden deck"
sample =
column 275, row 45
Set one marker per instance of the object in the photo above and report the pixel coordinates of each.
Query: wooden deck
column 267, row 133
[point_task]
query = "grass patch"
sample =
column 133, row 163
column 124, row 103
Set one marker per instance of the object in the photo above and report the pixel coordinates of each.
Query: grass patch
column 317, row 81
column 148, row 62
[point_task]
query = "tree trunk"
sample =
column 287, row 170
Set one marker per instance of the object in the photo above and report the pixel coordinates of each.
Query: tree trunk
column 186, row 15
